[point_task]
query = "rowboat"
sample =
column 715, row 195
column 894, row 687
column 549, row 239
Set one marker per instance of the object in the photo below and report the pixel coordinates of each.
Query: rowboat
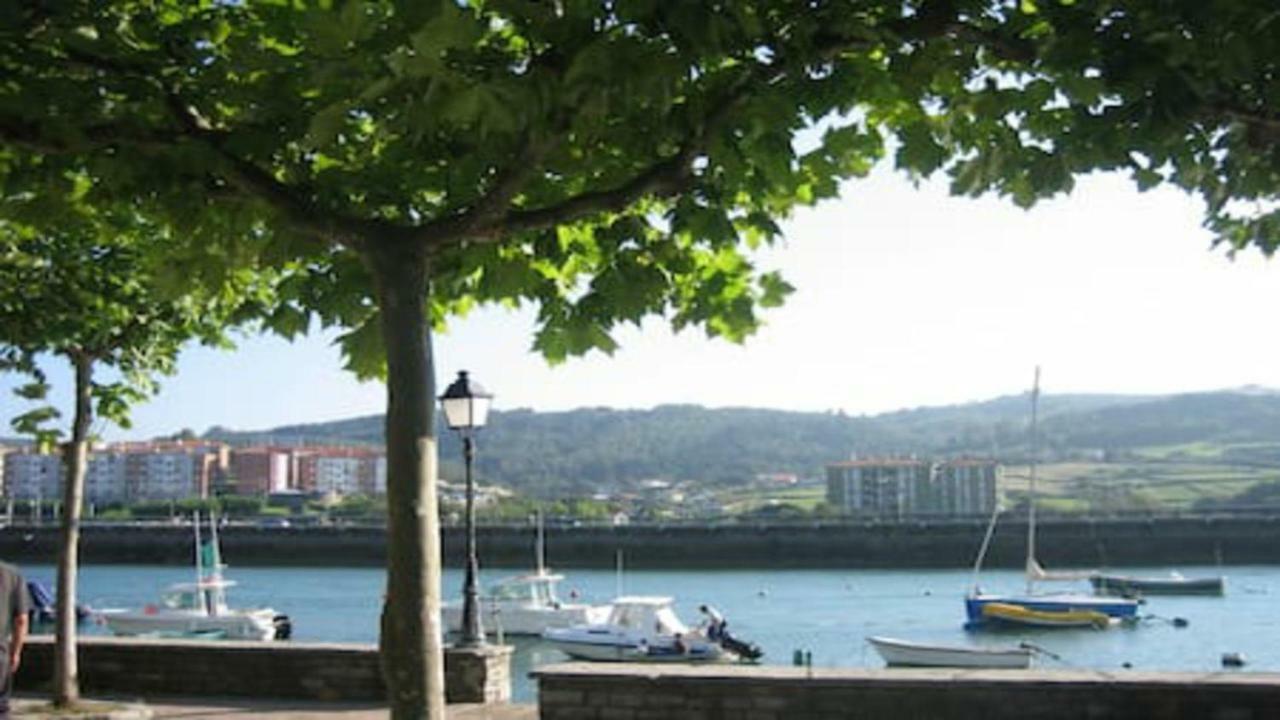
column 912, row 654
column 1173, row 584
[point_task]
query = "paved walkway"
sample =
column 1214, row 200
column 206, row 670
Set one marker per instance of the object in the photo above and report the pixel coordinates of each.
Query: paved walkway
column 241, row 709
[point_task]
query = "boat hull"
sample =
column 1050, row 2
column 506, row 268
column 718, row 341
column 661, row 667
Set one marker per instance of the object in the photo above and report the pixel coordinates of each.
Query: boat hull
column 251, row 625
column 1049, row 606
column 901, row 653
column 1017, row 615
column 523, row 619
column 1126, row 586
column 625, row 651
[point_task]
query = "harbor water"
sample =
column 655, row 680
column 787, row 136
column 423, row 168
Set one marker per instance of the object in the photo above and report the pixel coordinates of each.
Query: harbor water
column 822, row 612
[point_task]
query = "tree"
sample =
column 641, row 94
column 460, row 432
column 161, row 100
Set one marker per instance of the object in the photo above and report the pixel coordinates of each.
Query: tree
column 600, row 160
column 80, row 288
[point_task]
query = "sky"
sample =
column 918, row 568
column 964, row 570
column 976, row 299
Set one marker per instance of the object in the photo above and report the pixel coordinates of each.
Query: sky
column 905, row 297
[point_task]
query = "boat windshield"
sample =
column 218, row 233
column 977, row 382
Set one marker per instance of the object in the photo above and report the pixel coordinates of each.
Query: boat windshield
column 181, row 600
column 631, row 616
column 509, row 591
column 668, row 623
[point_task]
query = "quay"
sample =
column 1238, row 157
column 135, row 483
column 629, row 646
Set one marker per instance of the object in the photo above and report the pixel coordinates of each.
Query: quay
column 1064, row 542
column 194, row 679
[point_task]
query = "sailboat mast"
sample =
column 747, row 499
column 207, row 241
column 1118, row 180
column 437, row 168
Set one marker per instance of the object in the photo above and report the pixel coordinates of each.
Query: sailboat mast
column 1031, row 482
column 540, row 548
column 199, row 564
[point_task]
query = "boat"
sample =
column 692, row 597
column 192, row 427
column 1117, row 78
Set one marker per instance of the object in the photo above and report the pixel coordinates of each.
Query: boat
column 1026, row 615
column 1173, row 584
column 645, row 629
column 526, row 604
column 903, row 653
column 1059, row 610
column 199, row 609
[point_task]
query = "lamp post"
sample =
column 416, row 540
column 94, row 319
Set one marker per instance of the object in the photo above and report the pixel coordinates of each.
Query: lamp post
column 466, row 407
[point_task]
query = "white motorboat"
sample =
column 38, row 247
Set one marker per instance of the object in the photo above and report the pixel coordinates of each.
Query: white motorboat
column 639, row 629
column 526, row 605
column 199, row 609
column 912, row 654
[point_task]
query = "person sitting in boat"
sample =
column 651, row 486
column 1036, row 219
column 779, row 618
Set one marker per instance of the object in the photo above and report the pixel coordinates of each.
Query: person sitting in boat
column 713, row 626
column 680, row 645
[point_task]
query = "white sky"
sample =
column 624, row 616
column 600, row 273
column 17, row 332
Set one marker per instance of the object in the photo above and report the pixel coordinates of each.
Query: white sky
column 905, row 297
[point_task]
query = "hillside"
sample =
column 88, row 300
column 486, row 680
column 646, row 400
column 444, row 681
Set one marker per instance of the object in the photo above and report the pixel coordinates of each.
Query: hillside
column 590, row 449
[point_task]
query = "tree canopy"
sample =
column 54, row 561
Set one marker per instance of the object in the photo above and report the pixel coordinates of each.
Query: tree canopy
column 608, row 160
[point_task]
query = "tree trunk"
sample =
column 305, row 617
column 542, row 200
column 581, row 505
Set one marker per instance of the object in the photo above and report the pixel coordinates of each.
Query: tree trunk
column 411, row 639
column 75, row 456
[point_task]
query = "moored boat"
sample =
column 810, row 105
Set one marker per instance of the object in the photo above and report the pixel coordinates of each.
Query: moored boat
column 199, row 609
column 526, row 604
column 1032, row 608
column 641, row 629
column 1173, row 584
column 903, row 653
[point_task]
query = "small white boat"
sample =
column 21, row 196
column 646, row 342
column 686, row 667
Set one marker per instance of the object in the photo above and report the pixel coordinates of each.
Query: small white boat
column 639, row 629
column 199, row 609
column 911, row 654
column 526, row 605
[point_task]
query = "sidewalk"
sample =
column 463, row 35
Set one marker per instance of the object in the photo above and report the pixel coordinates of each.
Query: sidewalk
column 242, row 709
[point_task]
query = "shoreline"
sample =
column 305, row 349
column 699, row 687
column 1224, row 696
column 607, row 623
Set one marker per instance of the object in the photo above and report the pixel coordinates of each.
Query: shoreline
column 1102, row 543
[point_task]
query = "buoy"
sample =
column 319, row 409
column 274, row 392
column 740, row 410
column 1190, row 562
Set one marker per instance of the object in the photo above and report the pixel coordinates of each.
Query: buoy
column 1232, row 659
column 1126, row 665
column 1180, row 622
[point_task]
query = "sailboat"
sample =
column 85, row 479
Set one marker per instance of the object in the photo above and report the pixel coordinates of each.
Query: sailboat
column 199, row 609
column 1054, row 610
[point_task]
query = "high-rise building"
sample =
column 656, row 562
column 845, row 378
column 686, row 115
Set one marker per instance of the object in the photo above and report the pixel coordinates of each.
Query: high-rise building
column 897, row 488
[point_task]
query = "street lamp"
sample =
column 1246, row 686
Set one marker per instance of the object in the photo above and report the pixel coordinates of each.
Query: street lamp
column 466, row 407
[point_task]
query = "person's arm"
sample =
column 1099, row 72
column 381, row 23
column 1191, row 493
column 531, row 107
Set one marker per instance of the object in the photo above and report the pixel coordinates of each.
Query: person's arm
column 17, row 640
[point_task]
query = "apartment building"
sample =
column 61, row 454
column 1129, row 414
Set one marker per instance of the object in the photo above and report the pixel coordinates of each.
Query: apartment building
column 31, row 475
column 261, row 470
column 342, row 471
column 898, row 488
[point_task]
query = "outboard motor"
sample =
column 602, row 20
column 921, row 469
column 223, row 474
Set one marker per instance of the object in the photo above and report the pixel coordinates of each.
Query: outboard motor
column 748, row 651
column 284, row 627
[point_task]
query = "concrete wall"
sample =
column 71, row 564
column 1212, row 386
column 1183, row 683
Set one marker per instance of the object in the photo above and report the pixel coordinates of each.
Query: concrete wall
column 313, row 671
column 648, row 692
column 1075, row 543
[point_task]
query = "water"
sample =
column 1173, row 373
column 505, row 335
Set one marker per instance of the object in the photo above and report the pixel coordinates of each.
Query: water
column 825, row 612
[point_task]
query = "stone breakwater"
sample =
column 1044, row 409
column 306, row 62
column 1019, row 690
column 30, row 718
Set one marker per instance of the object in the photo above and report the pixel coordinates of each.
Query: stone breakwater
column 1062, row 543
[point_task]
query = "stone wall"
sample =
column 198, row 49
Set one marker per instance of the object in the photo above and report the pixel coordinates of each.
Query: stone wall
column 1177, row 541
column 579, row 691
column 329, row 671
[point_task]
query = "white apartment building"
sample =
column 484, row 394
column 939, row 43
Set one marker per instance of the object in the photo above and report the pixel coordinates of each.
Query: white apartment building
column 104, row 480
column 339, row 475
column 163, row 475
column 32, row 475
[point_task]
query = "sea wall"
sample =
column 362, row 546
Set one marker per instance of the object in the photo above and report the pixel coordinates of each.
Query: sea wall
column 648, row 692
column 1082, row 543
column 311, row 671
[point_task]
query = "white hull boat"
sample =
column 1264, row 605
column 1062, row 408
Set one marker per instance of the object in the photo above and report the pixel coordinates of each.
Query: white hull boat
column 199, row 609
column 157, row 621
column 903, row 653
column 526, row 605
column 639, row 629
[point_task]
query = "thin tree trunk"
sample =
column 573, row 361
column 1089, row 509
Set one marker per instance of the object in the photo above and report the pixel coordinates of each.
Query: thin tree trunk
column 75, row 457
column 411, row 638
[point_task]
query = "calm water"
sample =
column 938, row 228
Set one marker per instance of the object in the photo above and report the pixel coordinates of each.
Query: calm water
column 827, row 613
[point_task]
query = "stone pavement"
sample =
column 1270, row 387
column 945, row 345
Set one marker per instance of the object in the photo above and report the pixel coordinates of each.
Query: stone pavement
column 242, row 709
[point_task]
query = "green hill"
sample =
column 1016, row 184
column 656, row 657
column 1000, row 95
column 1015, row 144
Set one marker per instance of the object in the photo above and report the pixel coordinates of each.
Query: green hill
column 592, row 449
